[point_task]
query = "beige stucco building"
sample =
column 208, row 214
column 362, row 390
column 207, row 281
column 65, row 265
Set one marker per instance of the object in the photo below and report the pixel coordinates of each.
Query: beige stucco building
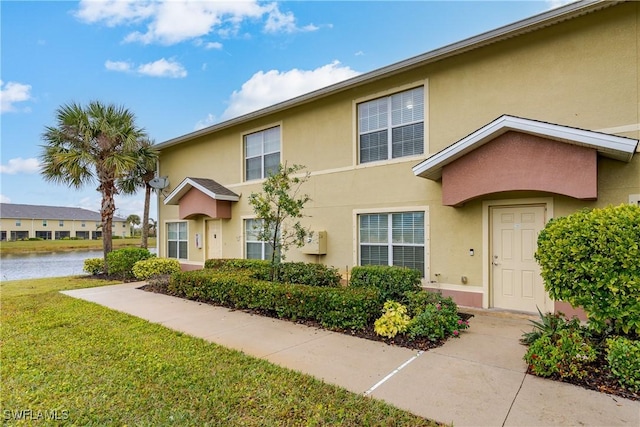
column 22, row 222
column 450, row 162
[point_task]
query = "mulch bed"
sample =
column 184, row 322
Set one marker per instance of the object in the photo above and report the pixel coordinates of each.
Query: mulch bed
column 599, row 377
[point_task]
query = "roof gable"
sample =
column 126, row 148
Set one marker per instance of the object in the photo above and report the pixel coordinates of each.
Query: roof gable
column 612, row 146
column 207, row 186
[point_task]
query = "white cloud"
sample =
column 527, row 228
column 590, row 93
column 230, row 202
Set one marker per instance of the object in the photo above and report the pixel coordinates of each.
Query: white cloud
column 279, row 22
column 208, row 121
column 159, row 68
column 557, row 3
column 163, row 68
column 171, row 22
column 213, row 45
column 121, row 66
column 268, row 88
column 4, row 199
column 20, row 165
column 11, row 93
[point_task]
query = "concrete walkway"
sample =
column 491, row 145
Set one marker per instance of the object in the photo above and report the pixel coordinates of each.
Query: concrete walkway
column 478, row 380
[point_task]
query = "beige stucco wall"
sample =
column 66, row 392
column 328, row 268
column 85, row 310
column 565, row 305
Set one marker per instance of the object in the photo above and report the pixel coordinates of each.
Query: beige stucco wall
column 582, row 73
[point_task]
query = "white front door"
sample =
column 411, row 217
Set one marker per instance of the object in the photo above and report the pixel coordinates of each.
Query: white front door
column 214, row 239
column 516, row 281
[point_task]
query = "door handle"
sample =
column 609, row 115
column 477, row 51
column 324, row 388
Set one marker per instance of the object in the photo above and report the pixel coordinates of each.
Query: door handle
column 495, row 260
column 495, row 263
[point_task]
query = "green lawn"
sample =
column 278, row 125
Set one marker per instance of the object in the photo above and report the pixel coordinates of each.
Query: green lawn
column 88, row 365
column 21, row 246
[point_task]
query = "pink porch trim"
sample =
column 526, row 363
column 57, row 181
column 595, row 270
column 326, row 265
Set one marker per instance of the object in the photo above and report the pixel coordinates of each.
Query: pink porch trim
column 195, row 203
column 517, row 161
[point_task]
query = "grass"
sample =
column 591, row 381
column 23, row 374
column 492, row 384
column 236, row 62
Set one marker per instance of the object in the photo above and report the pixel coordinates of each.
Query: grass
column 89, row 365
column 22, row 246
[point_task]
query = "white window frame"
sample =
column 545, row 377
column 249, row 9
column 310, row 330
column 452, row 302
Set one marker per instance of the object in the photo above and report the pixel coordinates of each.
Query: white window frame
column 265, row 247
column 61, row 223
column 389, row 126
column 262, row 154
column 178, row 240
column 18, row 223
column 44, row 222
column 405, row 209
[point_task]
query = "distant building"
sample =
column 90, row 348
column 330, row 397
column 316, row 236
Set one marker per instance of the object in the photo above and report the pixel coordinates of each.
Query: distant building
column 21, row 222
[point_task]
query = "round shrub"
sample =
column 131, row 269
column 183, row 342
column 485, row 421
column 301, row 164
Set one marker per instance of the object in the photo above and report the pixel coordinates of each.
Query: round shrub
column 436, row 320
column 394, row 320
column 564, row 354
column 592, row 259
column 152, row 267
column 623, row 357
column 120, row 262
column 94, row 266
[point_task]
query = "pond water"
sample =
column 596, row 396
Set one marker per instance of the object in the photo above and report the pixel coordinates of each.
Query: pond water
column 49, row 264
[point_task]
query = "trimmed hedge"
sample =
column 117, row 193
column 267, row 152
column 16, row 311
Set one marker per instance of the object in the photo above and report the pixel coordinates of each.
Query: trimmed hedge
column 152, row 267
column 94, row 266
column 120, row 262
column 332, row 307
column 289, row 272
column 390, row 281
column 592, row 259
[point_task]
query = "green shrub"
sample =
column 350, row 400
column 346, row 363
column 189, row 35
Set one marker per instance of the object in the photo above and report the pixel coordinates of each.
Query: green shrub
column 94, row 266
column 151, row 267
column 391, row 282
column 549, row 325
column 394, row 320
column 564, row 354
column 236, row 264
column 435, row 320
column 288, row 272
column 332, row 307
column 592, row 259
column 120, row 262
column 623, row 357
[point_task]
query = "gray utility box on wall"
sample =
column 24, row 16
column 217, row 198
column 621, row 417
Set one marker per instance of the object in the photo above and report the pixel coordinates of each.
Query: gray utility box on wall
column 317, row 244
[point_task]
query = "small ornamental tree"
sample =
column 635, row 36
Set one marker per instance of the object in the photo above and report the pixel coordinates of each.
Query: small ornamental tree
column 592, row 259
column 278, row 208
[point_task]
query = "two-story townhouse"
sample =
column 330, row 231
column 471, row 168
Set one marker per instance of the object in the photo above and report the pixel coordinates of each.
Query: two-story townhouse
column 450, row 162
column 21, row 222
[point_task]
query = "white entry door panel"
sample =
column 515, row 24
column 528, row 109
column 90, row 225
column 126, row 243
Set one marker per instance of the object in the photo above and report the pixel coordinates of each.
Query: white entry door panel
column 516, row 281
column 214, row 239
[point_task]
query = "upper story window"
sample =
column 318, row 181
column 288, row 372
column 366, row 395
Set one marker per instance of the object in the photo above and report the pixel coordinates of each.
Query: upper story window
column 261, row 153
column 83, row 224
column 18, row 222
column 44, row 222
column 61, row 223
column 392, row 126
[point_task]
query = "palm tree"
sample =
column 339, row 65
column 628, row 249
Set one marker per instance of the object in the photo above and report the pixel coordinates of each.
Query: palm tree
column 139, row 177
column 133, row 220
column 88, row 144
column 153, row 224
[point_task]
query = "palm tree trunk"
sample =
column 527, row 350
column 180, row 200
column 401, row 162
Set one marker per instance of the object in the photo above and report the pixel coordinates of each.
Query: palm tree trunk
column 106, row 212
column 145, row 216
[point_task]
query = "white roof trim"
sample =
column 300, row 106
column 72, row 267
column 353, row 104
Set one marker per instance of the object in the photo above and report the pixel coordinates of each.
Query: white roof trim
column 612, row 146
column 542, row 20
column 174, row 197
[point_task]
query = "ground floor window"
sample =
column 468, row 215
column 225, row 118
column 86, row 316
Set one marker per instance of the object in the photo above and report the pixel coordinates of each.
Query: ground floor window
column 392, row 239
column 255, row 249
column 3, row 236
column 95, row 235
column 177, row 241
column 19, row 235
column 82, row 234
column 46, row 235
column 62, row 234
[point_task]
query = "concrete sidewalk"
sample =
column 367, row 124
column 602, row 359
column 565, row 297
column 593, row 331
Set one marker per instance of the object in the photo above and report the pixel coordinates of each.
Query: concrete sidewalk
column 478, row 380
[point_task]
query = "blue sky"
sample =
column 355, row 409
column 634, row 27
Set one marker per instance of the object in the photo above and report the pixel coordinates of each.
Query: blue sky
column 183, row 65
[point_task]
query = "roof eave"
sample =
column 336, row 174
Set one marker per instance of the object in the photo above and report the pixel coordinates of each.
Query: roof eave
column 535, row 22
column 174, row 197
